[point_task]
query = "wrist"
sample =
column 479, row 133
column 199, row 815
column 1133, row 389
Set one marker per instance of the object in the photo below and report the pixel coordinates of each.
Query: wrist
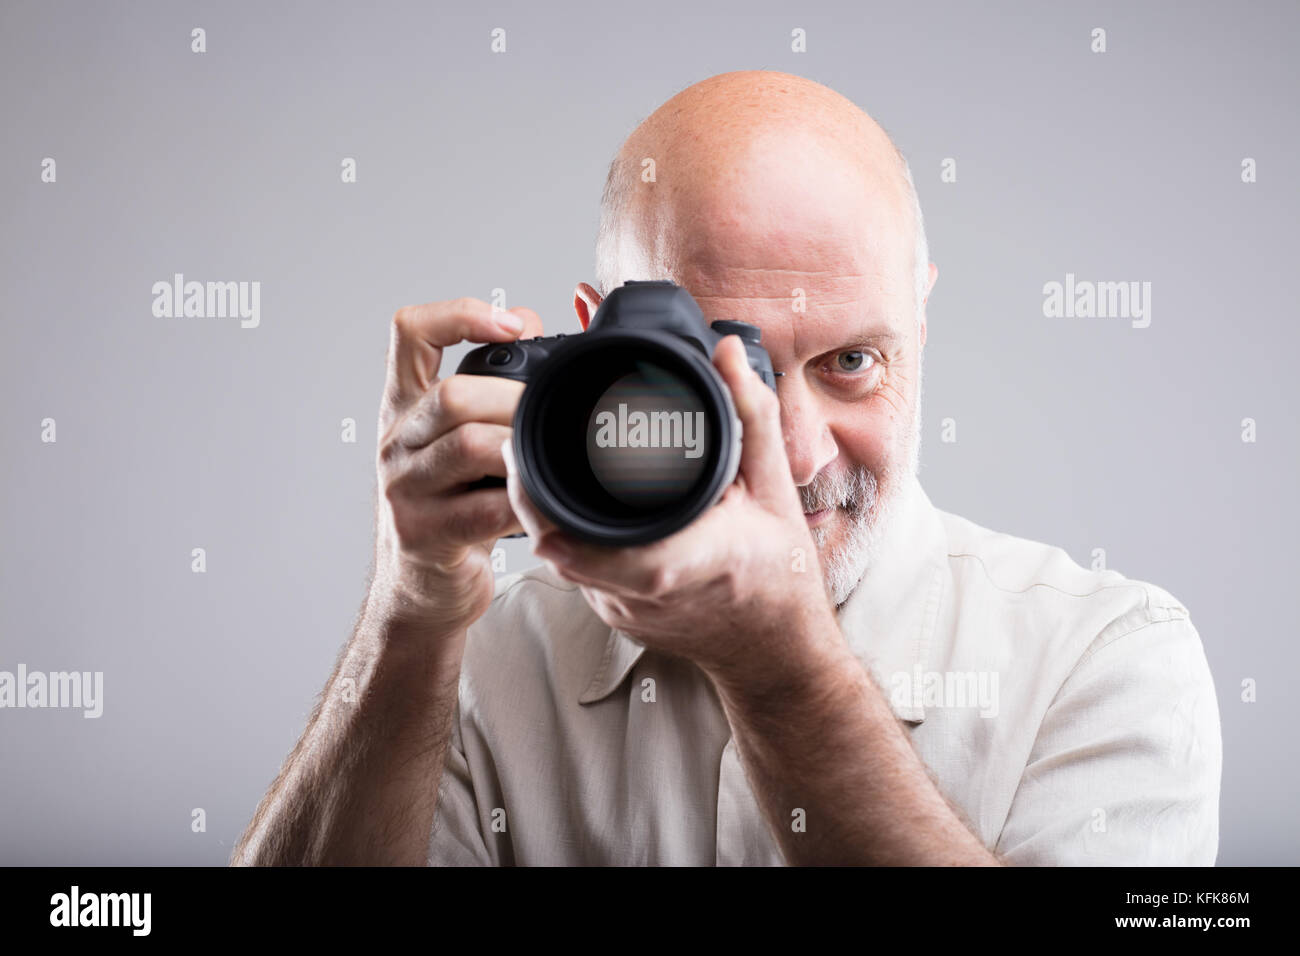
column 397, row 669
column 413, row 598
column 805, row 657
column 403, row 630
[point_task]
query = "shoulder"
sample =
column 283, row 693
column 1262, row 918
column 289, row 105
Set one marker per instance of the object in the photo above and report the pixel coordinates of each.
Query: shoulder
column 1028, row 607
column 1017, row 576
column 1108, row 695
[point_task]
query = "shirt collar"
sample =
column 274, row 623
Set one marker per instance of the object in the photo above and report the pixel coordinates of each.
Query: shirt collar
column 888, row 620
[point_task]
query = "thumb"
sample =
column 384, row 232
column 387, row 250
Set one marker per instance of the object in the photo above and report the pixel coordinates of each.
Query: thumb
column 763, row 460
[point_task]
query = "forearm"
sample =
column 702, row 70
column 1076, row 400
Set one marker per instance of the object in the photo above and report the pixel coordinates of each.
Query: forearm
column 825, row 741
column 361, row 785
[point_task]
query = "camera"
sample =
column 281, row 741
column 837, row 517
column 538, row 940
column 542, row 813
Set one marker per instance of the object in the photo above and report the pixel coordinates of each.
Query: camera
column 625, row 433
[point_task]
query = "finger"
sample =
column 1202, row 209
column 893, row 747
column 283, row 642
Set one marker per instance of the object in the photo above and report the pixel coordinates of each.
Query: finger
column 477, row 516
column 646, row 571
column 634, row 571
column 763, row 460
column 454, row 401
column 421, row 332
column 532, row 323
column 465, row 454
column 535, row 525
column 564, row 553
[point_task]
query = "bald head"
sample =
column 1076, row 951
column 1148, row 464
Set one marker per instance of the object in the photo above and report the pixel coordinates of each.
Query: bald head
column 758, row 170
column 776, row 201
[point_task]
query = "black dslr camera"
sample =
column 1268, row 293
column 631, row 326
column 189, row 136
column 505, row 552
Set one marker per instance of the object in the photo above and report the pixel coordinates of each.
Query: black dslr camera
column 625, row 433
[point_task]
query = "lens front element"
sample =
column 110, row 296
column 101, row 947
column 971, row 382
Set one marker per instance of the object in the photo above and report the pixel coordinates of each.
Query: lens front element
column 647, row 437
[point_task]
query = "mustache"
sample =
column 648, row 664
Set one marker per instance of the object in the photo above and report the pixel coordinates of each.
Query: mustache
column 854, row 490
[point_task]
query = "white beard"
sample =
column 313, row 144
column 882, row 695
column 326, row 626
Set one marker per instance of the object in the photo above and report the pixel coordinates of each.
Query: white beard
column 870, row 513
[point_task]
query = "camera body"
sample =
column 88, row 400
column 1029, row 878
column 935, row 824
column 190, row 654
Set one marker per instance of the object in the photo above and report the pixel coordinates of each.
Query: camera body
column 636, row 306
column 626, row 432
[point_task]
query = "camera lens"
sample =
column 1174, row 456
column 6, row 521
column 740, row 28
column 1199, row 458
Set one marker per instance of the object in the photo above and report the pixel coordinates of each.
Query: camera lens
column 625, row 437
column 646, row 437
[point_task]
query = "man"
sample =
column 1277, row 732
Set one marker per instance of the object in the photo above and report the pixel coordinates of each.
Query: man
column 821, row 669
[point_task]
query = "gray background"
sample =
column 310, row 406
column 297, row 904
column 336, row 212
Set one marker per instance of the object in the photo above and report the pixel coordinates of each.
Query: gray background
column 479, row 171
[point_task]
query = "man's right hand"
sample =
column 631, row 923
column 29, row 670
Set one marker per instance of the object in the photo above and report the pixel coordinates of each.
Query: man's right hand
column 362, row 785
column 437, row 436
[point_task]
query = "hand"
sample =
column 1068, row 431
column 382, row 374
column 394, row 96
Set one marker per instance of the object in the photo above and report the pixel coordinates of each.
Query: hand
column 731, row 590
column 437, row 436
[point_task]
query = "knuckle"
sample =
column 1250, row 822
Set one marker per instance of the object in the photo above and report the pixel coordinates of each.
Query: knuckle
column 461, row 447
column 389, row 451
column 661, row 581
column 477, row 441
column 460, row 442
column 394, row 493
column 451, row 399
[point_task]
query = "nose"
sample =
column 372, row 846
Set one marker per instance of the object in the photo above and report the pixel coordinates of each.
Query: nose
column 809, row 444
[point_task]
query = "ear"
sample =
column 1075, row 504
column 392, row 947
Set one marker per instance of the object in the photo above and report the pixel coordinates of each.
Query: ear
column 585, row 302
column 934, row 277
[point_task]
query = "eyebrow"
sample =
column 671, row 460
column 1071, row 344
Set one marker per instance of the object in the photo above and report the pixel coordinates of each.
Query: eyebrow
column 870, row 335
column 877, row 335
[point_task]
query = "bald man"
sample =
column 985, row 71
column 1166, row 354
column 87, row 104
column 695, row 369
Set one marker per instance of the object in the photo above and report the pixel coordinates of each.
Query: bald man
column 919, row 691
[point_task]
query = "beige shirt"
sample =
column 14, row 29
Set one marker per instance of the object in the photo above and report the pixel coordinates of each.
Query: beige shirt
column 1068, row 714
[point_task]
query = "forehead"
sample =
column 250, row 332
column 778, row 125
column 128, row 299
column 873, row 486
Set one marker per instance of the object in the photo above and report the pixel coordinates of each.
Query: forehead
column 787, row 226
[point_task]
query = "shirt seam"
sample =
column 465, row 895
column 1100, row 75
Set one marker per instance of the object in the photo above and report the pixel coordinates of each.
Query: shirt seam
column 1044, row 584
column 1096, row 646
column 536, row 580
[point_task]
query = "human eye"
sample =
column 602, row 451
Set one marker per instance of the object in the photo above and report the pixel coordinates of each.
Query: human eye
column 854, row 369
column 854, row 361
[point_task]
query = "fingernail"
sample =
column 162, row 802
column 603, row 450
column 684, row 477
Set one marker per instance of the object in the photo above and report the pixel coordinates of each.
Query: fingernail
column 509, row 321
column 508, row 456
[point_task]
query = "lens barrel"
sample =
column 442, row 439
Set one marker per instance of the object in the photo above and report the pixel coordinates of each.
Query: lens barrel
column 624, row 437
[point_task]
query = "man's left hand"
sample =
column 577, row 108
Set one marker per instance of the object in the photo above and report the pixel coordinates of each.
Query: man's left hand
column 740, row 590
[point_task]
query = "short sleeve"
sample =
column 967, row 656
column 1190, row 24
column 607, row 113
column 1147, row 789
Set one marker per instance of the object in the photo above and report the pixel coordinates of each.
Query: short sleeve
column 457, row 838
column 1126, row 766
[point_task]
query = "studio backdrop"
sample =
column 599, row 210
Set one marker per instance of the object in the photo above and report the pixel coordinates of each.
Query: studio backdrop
column 187, row 516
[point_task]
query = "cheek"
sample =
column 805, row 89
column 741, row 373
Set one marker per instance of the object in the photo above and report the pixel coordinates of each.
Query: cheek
column 872, row 434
